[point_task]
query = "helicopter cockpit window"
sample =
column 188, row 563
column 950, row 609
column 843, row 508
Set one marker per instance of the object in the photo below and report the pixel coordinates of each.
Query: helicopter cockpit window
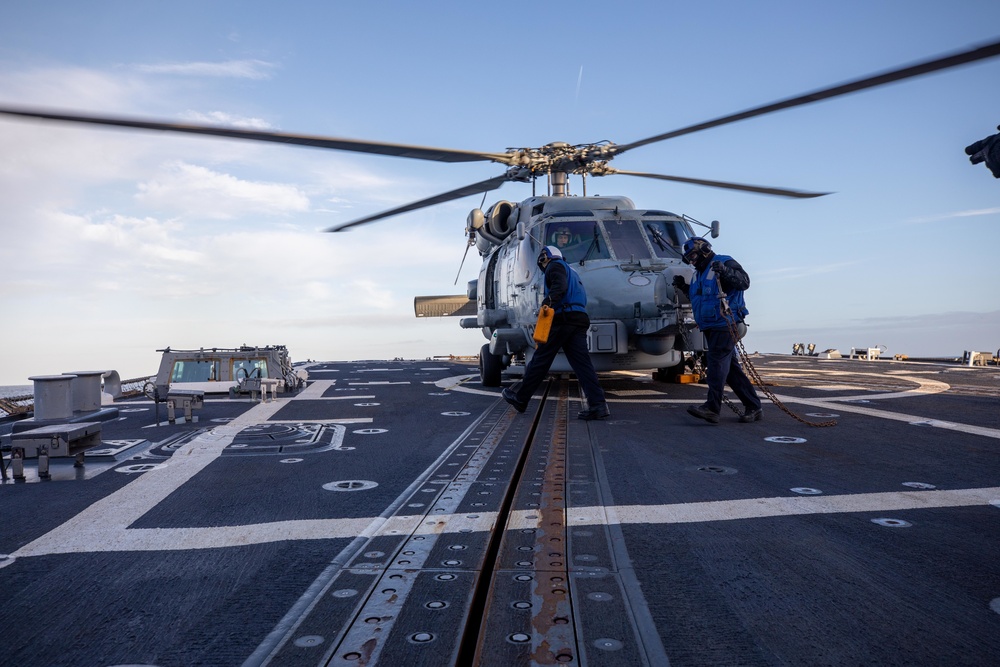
column 626, row 240
column 666, row 237
column 577, row 240
column 195, row 371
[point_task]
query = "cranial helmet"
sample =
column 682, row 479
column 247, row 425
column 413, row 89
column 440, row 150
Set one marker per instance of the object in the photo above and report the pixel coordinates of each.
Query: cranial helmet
column 694, row 248
column 547, row 254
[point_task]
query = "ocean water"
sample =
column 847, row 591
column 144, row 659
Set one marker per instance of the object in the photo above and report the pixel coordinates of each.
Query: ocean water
column 17, row 390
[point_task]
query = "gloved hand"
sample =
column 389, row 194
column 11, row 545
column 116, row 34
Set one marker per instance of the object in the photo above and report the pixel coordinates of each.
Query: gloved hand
column 547, row 302
column 680, row 283
column 719, row 268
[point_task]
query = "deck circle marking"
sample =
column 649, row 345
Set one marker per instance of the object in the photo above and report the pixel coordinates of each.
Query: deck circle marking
column 786, row 439
column 455, row 414
column 822, row 415
column 718, row 470
column 519, row 638
column 806, row 491
column 438, row 393
column 606, row 644
column 370, row 431
column 350, row 485
column 222, row 420
column 919, row 485
column 892, row 523
column 290, row 461
column 600, row 597
column 421, row 637
column 309, row 641
column 366, row 405
column 140, row 467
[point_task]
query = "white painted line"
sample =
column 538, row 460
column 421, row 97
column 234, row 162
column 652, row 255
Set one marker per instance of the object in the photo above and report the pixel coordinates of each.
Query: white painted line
column 347, row 420
column 837, row 387
column 104, row 528
column 755, row 508
column 828, row 404
column 316, row 389
column 382, row 382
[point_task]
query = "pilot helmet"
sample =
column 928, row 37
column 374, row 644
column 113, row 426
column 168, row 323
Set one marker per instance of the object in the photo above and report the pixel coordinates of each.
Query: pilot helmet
column 563, row 231
column 547, row 254
column 694, row 248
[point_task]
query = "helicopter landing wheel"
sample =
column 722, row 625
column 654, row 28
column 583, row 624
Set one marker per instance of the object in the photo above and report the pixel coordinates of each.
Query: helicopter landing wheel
column 490, row 367
column 669, row 374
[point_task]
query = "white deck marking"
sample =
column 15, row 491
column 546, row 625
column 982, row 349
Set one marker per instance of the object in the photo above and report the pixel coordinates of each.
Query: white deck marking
column 835, row 405
column 316, row 389
column 377, row 382
column 95, row 530
column 755, row 508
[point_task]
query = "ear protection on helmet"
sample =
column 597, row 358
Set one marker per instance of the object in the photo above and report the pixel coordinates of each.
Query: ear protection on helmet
column 695, row 247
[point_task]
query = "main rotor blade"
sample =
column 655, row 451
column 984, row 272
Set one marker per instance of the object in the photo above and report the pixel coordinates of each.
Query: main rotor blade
column 961, row 58
column 764, row 190
column 475, row 188
column 332, row 143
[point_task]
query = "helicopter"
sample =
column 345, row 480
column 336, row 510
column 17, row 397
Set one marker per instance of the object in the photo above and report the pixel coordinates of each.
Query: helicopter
column 626, row 257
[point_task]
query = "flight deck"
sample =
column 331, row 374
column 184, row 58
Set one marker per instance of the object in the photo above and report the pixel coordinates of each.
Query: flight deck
column 400, row 513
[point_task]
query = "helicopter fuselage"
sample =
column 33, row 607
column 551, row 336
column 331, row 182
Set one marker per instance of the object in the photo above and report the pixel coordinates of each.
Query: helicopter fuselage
column 626, row 259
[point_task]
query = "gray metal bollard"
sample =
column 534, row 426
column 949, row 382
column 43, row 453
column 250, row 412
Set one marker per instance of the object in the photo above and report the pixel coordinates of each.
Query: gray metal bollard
column 53, row 397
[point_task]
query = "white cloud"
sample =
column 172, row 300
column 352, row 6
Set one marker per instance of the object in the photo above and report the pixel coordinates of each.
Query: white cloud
column 228, row 119
column 953, row 216
column 202, row 192
column 797, row 272
column 240, row 69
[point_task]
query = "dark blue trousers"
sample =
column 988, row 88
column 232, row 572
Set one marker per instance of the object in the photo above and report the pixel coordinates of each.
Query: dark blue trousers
column 723, row 368
column 572, row 339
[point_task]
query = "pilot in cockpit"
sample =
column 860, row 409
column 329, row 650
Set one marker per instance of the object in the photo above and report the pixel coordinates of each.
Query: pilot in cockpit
column 562, row 238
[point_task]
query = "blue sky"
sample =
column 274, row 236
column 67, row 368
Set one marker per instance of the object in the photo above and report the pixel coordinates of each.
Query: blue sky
column 118, row 243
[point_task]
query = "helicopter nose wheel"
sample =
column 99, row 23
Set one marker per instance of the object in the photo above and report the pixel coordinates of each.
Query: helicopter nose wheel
column 490, row 367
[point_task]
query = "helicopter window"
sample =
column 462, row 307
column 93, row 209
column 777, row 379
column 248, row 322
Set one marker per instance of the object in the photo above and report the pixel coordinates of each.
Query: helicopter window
column 626, row 240
column 195, row 371
column 252, row 368
column 576, row 240
column 666, row 237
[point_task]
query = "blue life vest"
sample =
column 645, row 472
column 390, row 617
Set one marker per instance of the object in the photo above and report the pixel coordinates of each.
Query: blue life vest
column 706, row 301
column 576, row 296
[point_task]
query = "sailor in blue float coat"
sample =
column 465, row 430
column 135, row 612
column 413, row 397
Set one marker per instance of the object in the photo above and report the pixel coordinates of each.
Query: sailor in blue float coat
column 564, row 293
column 712, row 273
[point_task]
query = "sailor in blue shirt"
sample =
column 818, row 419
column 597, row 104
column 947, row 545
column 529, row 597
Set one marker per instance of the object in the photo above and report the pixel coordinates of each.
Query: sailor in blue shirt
column 719, row 277
column 564, row 293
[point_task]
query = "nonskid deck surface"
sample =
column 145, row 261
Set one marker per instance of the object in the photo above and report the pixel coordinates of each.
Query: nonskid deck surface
column 399, row 513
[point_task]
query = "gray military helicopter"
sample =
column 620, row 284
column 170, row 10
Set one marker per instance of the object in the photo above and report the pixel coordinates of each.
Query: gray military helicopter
column 626, row 257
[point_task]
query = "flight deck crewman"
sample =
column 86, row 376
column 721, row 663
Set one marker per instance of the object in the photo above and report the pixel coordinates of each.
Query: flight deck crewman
column 706, row 303
column 564, row 293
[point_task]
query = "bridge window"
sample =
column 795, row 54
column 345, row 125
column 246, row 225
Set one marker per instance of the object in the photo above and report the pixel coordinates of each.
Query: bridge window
column 195, row 371
column 666, row 237
column 576, row 239
column 626, row 240
column 251, row 368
